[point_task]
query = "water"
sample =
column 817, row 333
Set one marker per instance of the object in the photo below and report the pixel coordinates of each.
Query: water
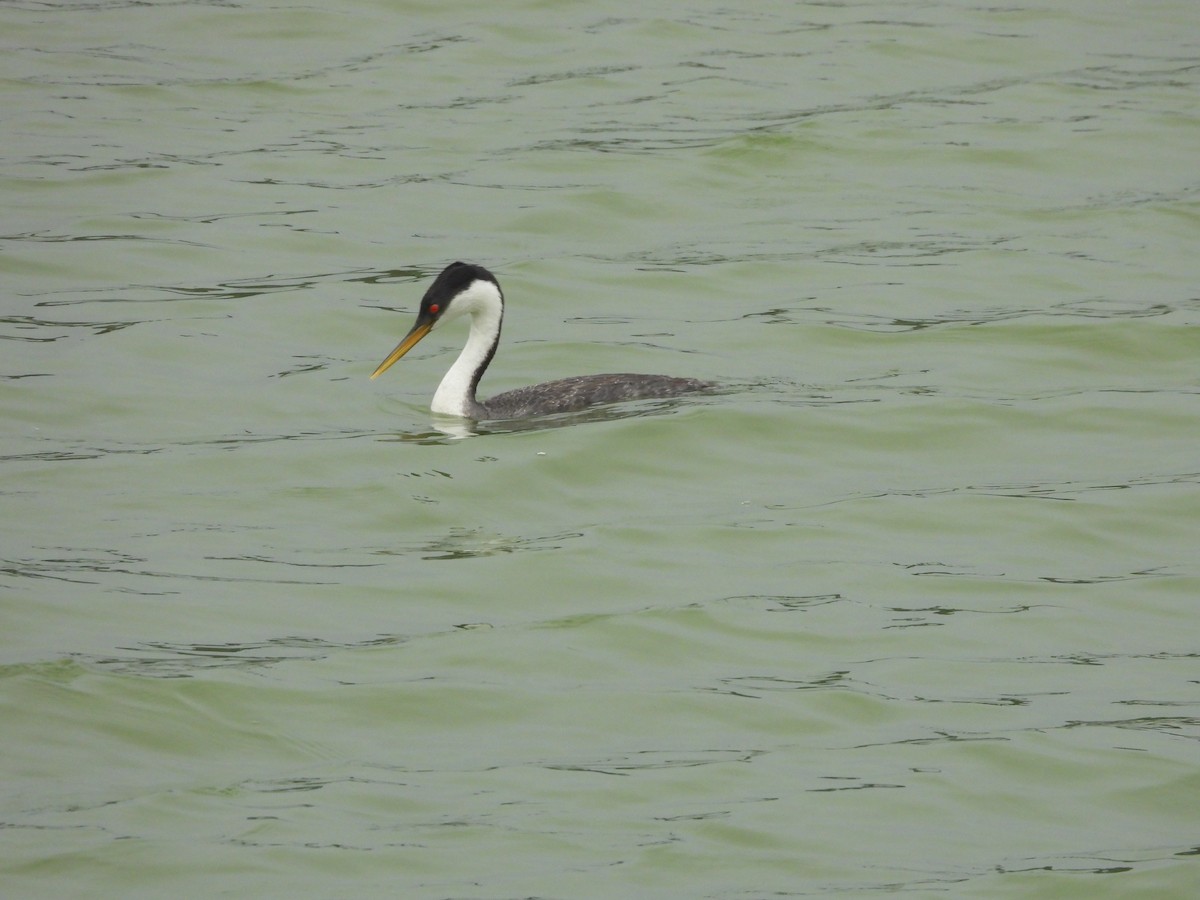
column 907, row 608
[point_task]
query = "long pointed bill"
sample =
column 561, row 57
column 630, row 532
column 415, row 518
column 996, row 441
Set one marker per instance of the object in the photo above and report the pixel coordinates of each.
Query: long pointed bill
column 410, row 340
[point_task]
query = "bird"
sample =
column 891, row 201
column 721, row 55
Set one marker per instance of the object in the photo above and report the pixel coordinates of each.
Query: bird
column 471, row 290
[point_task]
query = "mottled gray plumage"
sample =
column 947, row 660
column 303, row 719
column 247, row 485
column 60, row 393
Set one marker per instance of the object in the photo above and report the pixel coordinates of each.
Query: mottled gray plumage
column 583, row 391
column 464, row 289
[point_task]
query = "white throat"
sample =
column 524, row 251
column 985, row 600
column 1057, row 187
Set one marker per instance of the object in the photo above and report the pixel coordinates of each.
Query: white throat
column 483, row 302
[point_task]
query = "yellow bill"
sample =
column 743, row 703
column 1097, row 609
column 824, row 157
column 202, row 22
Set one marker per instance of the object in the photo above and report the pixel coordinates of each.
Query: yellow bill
column 410, row 340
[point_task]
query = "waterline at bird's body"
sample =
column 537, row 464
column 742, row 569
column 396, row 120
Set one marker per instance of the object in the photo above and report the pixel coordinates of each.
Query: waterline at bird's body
column 465, row 289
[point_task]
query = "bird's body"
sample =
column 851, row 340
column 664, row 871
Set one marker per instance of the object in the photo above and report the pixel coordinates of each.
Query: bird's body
column 464, row 289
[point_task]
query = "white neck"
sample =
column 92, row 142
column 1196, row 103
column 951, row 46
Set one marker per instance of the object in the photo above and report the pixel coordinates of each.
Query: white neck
column 455, row 396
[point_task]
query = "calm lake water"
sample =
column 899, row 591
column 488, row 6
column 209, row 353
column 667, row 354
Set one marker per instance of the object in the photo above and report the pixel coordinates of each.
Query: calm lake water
column 909, row 606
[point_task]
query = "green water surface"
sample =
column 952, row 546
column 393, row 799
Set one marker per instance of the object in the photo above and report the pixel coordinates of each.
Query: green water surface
column 908, row 606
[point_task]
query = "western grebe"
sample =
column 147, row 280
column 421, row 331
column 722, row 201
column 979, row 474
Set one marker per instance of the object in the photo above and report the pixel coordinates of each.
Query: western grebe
column 465, row 289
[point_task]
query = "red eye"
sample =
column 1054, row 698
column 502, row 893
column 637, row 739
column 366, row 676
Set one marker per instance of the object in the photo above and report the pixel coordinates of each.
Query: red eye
column 433, row 308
